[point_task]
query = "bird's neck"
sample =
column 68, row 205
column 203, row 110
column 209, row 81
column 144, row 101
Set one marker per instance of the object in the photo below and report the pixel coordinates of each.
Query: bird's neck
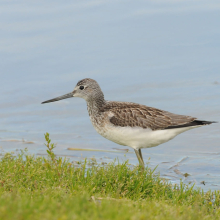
column 95, row 105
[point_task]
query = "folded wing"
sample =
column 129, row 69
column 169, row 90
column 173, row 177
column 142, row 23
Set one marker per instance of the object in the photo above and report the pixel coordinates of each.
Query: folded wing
column 126, row 114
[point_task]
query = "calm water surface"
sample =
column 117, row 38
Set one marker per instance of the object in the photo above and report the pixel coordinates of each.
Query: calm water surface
column 163, row 54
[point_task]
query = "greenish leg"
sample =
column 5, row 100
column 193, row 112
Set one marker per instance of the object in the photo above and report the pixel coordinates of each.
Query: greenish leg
column 139, row 157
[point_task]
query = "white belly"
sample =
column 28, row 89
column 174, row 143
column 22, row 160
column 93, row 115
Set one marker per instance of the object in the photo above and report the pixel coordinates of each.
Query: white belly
column 137, row 137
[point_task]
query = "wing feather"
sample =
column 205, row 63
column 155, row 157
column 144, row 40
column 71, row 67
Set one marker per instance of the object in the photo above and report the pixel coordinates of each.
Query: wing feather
column 135, row 115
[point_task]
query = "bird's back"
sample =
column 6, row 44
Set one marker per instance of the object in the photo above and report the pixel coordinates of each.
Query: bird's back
column 127, row 114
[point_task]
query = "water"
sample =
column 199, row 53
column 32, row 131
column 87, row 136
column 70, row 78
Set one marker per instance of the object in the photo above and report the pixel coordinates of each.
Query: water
column 163, row 54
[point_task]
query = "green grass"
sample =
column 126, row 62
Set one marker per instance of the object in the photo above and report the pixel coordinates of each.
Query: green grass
column 53, row 188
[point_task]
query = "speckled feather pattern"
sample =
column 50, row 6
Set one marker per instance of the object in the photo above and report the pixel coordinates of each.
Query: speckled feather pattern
column 128, row 132
column 127, row 114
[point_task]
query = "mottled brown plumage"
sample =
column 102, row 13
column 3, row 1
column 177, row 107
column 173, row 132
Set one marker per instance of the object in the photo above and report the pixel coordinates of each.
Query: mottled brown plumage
column 135, row 115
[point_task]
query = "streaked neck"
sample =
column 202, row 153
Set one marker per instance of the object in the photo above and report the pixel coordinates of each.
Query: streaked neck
column 95, row 104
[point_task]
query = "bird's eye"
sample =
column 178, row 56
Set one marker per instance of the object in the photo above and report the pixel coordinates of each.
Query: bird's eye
column 81, row 87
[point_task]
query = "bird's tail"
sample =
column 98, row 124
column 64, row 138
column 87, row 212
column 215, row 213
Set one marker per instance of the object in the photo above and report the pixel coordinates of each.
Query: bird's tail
column 192, row 123
column 200, row 122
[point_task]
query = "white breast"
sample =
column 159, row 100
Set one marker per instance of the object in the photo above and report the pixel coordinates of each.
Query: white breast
column 137, row 137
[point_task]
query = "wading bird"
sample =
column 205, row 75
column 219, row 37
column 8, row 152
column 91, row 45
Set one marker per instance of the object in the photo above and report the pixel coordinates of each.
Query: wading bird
column 130, row 124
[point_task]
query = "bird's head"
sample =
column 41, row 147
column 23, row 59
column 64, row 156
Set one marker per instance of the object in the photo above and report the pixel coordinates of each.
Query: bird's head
column 87, row 89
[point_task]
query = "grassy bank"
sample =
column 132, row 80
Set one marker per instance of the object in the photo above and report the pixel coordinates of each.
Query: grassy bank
column 53, row 188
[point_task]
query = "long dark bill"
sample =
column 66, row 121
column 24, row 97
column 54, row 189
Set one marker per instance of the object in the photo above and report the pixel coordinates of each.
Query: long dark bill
column 68, row 95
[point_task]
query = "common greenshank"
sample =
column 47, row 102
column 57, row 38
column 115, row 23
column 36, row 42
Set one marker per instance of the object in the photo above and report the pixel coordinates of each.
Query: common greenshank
column 130, row 124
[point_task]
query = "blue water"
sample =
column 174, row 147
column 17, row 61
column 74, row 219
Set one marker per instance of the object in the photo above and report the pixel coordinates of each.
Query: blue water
column 164, row 54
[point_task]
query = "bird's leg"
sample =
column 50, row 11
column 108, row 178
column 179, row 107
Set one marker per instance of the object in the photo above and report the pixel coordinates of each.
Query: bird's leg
column 139, row 157
column 142, row 160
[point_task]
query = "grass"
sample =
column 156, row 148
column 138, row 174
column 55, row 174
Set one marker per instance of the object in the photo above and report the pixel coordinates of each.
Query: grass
column 53, row 188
